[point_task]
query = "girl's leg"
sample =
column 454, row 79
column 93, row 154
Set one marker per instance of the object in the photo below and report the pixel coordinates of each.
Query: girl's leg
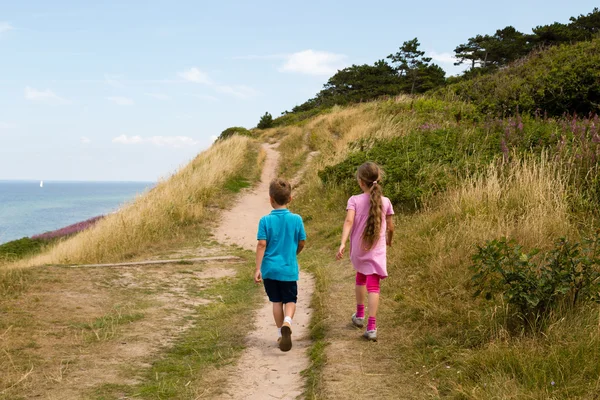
column 361, row 293
column 373, row 300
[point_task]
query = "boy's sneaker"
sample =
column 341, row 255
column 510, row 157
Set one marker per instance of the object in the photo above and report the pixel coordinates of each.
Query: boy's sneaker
column 285, row 344
column 371, row 335
column 360, row 322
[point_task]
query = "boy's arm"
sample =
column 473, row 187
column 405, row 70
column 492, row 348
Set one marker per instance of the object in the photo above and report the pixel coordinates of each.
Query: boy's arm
column 261, row 246
column 389, row 233
column 300, row 246
column 348, row 222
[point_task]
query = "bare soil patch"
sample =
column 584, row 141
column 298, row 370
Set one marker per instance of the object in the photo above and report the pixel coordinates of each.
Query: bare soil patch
column 76, row 328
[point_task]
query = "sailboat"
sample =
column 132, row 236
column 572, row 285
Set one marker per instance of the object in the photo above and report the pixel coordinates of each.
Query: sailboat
column 41, row 184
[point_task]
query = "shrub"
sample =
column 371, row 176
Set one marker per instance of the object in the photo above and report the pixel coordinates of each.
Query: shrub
column 266, row 121
column 536, row 285
column 416, row 165
column 557, row 80
column 234, row 130
column 20, row 248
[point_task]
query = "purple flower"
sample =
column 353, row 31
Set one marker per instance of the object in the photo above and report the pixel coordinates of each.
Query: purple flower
column 69, row 230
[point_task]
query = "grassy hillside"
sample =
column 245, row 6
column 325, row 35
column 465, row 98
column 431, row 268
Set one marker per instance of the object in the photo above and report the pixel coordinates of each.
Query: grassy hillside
column 556, row 80
column 175, row 210
column 457, row 179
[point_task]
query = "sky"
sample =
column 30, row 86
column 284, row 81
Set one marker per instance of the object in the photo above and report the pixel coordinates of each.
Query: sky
column 132, row 90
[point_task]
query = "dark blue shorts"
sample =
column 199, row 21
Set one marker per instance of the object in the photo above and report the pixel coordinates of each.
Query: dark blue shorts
column 281, row 291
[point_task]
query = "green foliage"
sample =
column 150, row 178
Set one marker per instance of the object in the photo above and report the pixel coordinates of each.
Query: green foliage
column 508, row 44
column 20, row 248
column 567, row 274
column 234, row 130
column 558, row 80
column 414, row 68
column 502, row 48
column 419, row 164
column 299, row 117
column 355, row 84
column 266, row 121
column 236, row 183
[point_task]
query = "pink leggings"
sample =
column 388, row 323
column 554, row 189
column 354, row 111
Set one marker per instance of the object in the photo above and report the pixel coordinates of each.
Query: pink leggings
column 372, row 282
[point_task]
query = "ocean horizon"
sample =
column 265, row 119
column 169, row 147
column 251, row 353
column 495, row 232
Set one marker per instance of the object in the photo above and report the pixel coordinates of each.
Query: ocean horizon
column 27, row 209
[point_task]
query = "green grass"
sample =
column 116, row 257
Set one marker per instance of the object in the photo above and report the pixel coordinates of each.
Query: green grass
column 189, row 366
column 20, row 248
column 236, row 183
column 108, row 326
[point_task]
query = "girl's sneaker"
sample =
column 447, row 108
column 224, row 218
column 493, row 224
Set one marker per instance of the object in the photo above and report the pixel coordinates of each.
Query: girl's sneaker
column 360, row 322
column 371, row 335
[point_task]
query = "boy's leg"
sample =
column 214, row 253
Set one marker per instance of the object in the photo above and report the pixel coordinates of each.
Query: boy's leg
column 290, row 310
column 278, row 314
column 289, row 295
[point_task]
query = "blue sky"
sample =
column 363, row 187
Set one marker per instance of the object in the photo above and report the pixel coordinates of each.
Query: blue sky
column 131, row 90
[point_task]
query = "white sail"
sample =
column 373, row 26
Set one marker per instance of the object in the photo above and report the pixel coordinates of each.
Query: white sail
column 42, row 184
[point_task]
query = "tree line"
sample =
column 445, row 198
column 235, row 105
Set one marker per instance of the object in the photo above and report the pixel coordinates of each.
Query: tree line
column 409, row 71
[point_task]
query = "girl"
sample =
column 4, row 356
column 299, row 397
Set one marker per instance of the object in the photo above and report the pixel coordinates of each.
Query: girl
column 370, row 227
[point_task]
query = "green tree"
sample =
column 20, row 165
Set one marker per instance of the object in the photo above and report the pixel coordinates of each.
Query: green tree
column 409, row 62
column 585, row 27
column 354, row 84
column 557, row 33
column 266, row 121
column 489, row 52
column 474, row 51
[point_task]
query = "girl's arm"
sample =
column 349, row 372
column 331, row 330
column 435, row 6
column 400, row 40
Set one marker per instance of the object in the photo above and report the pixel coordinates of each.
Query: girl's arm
column 346, row 232
column 389, row 233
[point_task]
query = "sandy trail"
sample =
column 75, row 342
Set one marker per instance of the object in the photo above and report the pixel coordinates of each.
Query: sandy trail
column 263, row 370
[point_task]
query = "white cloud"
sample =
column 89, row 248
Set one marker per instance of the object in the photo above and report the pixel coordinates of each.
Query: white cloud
column 121, row 101
column 257, row 57
column 443, row 58
column 85, row 140
column 124, row 139
column 161, row 141
column 44, row 96
column 158, row 96
column 6, row 125
column 5, row 27
column 113, row 80
column 206, row 97
column 195, row 75
column 172, row 141
column 239, row 91
column 312, row 62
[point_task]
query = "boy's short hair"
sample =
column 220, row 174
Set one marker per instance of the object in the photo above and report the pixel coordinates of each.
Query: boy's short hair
column 281, row 191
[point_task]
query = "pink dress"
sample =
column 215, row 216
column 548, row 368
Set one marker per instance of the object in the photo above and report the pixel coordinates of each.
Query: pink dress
column 373, row 261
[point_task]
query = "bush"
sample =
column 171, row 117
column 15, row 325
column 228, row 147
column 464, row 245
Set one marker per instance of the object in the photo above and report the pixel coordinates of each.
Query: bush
column 266, row 121
column 234, row 130
column 20, row 248
column 536, row 285
column 557, row 80
column 416, row 165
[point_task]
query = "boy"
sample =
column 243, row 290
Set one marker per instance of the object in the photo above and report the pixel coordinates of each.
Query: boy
column 281, row 237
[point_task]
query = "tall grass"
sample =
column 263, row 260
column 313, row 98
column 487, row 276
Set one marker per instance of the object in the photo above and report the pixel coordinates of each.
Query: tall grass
column 162, row 213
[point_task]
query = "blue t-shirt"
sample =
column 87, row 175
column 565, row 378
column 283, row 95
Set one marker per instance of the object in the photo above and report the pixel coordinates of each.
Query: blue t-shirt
column 282, row 230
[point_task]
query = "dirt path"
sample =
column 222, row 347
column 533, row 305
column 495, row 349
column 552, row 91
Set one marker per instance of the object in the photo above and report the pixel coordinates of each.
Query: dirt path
column 264, row 371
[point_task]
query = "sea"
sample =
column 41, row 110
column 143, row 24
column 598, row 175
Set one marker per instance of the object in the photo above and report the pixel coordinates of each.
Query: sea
column 26, row 209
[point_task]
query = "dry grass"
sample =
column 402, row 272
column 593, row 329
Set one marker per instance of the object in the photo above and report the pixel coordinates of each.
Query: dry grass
column 162, row 213
column 428, row 319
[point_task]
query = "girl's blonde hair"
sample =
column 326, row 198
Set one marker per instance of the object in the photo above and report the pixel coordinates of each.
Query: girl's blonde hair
column 370, row 175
